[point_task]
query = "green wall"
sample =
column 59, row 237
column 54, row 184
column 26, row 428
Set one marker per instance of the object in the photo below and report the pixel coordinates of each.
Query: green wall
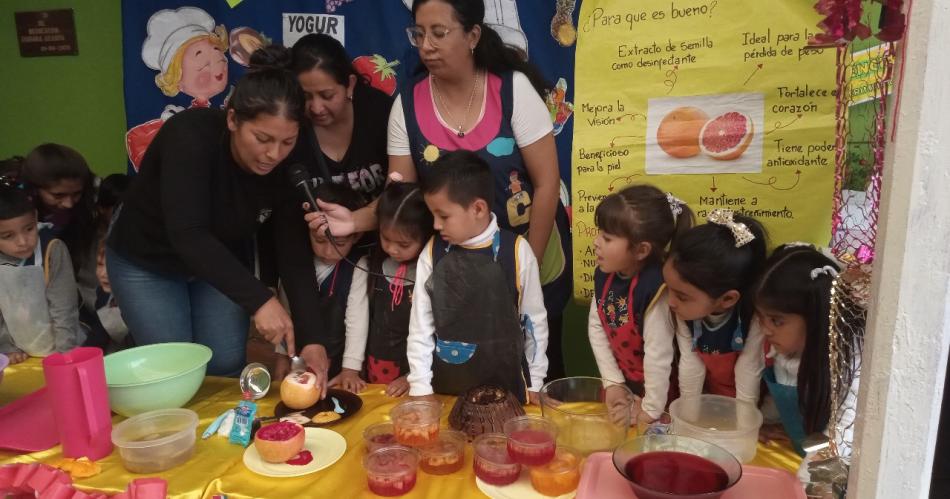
column 72, row 100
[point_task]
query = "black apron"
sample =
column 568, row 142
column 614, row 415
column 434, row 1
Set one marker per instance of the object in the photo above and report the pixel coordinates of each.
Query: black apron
column 388, row 327
column 331, row 305
column 478, row 328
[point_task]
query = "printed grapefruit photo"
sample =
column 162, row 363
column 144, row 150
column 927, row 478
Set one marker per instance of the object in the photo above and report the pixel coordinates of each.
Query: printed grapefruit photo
column 703, row 134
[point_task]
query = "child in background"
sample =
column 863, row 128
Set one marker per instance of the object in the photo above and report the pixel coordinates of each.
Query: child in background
column 709, row 275
column 38, row 301
column 62, row 186
column 334, row 277
column 793, row 301
column 103, row 322
column 377, row 313
column 111, row 190
column 478, row 316
column 10, row 168
column 632, row 339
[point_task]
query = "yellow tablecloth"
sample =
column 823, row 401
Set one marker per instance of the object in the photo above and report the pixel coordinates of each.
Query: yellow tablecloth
column 217, row 466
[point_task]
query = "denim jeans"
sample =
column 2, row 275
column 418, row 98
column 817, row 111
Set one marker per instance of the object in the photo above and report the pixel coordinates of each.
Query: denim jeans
column 159, row 308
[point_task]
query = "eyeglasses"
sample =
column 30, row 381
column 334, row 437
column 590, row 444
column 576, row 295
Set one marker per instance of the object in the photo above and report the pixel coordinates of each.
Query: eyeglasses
column 418, row 35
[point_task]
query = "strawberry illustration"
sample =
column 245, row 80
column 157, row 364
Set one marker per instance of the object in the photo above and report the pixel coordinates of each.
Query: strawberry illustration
column 378, row 71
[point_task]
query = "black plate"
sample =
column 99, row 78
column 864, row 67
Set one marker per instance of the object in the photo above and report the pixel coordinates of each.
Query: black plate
column 350, row 402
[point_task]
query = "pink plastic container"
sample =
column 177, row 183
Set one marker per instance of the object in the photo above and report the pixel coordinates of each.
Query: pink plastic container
column 76, row 390
column 601, row 479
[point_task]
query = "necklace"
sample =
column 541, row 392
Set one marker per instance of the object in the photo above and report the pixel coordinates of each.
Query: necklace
column 468, row 109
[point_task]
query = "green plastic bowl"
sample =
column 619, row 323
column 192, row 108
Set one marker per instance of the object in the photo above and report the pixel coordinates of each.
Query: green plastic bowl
column 151, row 377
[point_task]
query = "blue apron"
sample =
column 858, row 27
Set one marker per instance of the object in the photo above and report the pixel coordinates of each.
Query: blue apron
column 786, row 401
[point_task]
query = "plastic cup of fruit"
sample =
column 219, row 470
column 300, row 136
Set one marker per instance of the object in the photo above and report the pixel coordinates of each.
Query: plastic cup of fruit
column 379, row 435
column 446, row 455
column 559, row 476
column 531, row 439
column 492, row 463
column 416, row 422
column 391, row 471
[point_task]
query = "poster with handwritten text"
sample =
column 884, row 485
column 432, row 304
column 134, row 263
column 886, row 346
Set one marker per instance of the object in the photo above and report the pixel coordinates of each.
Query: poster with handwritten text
column 718, row 101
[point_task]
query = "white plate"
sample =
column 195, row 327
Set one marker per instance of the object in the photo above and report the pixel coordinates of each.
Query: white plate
column 520, row 489
column 327, row 447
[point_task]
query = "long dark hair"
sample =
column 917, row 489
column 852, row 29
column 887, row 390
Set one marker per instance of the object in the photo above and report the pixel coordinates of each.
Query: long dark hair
column 491, row 53
column 48, row 164
column 402, row 207
column 268, row 87
column 706, row 256
column 787, row 286
column 643, row 213
column 323, row 52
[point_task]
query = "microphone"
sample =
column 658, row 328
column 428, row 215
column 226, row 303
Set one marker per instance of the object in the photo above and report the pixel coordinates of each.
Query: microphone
column 301, row 180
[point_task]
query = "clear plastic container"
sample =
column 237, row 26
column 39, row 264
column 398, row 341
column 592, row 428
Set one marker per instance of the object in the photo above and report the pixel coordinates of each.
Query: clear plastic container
column 724, row 421
column 445, row 456
column 578, row 406
column 391, row 471
column 531, row 439
column 157, row 440
column 559, row 476
column 416, row 422
column 379, row 435
column 492, row 463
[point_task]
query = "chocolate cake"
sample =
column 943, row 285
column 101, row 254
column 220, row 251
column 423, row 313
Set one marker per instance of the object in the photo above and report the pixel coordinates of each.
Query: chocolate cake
column 484, row 409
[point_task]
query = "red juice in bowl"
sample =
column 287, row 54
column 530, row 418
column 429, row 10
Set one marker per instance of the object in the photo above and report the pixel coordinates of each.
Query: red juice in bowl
column 664, row 472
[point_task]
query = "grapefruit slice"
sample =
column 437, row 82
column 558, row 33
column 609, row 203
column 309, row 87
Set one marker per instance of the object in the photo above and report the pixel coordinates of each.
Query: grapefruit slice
column 678, row 133
column 279, row 442
column 299, row 390
column 726, row 136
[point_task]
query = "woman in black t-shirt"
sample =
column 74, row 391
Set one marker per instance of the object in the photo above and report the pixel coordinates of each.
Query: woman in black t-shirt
column 344, row 143
column 180, row 250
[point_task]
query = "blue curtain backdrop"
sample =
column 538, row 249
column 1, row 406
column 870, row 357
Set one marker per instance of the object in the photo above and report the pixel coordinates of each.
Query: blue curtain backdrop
column 370, row 27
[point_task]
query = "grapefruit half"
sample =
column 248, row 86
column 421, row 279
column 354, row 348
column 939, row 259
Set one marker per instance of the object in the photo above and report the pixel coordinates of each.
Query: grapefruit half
column 279, row 442
column 726, row 136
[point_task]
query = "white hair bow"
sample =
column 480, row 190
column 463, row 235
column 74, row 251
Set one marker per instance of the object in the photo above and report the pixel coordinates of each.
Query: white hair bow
column 740, row 232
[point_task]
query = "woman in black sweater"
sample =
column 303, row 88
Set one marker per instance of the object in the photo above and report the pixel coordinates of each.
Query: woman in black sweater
column 180, row 252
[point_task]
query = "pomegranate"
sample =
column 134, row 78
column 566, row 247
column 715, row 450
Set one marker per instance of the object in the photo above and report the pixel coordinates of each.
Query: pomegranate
column 678, row 133
column 726, row 136
column 299, row 390
column 279, row 442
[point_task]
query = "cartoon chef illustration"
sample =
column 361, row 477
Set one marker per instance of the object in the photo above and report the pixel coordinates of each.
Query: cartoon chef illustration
column 188, row 51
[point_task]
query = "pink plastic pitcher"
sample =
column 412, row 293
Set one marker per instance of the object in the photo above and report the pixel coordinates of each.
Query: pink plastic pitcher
column 76, row 390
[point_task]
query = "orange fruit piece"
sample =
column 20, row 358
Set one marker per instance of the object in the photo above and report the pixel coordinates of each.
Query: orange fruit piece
column 678, row 133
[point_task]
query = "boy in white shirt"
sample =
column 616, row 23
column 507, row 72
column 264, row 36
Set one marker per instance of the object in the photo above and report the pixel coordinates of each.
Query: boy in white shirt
column 479, row 316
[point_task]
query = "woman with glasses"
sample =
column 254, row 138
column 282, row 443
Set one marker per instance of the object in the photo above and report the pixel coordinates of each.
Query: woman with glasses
column 475, row 93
